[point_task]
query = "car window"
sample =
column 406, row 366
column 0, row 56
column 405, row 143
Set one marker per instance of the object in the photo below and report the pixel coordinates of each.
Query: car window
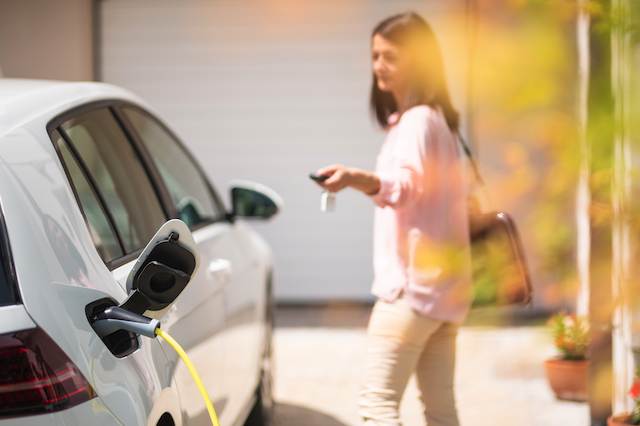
column 8, row 291
column 189, row 189
column 103, row 235
column 119, row 175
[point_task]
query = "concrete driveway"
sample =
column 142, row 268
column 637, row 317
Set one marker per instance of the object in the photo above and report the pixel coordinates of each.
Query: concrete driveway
column 499, row 380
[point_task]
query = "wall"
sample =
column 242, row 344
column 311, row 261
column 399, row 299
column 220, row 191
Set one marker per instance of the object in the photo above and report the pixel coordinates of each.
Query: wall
column 271, row 91
column 46, row 39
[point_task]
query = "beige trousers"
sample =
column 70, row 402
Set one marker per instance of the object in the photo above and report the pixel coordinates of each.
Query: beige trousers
column 400, row 342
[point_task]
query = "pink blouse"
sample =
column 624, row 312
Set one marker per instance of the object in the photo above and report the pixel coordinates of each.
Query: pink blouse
column 421, row 228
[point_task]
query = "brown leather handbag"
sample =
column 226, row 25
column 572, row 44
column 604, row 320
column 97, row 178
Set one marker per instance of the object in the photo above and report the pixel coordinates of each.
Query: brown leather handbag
column 500, row 274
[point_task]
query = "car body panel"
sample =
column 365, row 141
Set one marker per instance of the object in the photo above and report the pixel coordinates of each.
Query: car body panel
column 23, row 101
column 14, row 318
column 74, row 416
column 244, row 317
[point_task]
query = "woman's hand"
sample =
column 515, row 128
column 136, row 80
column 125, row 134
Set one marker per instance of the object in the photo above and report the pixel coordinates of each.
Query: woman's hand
column 341, row 177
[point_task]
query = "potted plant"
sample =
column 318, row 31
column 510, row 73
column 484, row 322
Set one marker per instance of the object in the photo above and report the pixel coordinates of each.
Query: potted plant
column 634, row 417
column 568, row 373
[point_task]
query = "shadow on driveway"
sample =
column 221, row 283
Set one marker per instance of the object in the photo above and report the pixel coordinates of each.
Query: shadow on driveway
column 349, row 314
column 290, row 415
column 332, row 315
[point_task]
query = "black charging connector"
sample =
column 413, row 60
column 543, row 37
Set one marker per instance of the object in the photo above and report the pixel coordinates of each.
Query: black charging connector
column 116, row 318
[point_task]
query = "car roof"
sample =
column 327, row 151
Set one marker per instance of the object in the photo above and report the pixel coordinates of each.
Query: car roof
column 24, row 99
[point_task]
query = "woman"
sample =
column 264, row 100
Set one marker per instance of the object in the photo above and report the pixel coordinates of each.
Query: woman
column 421, row 236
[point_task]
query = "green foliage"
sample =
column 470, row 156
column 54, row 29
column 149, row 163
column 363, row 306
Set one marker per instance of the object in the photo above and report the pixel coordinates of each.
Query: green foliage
column 634, row 393
column 570, row 335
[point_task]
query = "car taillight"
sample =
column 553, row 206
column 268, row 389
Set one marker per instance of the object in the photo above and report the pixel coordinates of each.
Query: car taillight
column 36, row 376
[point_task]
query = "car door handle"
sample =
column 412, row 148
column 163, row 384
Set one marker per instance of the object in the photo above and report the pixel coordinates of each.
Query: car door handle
column 220, row 268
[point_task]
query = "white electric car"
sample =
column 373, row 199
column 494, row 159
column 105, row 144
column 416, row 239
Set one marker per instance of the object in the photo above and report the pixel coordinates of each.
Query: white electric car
column 88, row 175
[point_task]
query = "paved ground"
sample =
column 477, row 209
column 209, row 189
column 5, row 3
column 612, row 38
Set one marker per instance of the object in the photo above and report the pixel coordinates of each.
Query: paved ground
column 499, row 380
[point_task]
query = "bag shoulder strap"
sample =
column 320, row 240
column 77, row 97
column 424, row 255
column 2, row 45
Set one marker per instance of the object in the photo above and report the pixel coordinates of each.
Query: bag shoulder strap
column 474, row 166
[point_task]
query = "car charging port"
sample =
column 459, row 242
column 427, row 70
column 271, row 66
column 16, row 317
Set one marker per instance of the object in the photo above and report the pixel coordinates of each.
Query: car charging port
column 120, row 342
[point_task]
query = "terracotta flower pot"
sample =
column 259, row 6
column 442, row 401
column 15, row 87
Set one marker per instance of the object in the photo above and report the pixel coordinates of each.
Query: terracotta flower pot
column 619, row 420
column 568, row 379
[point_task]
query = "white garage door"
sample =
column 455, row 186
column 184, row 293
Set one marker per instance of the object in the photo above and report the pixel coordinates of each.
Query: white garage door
column 270, row 90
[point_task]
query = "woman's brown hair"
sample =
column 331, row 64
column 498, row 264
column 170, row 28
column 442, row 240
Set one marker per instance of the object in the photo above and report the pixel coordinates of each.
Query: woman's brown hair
column 428, row 84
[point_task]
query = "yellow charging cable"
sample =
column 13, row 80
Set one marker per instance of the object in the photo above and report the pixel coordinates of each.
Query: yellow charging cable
column 194, row 373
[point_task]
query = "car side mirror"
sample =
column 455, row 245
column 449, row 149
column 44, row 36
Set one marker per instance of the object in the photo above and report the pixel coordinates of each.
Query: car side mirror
column 162, row 271
column 253, row 200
